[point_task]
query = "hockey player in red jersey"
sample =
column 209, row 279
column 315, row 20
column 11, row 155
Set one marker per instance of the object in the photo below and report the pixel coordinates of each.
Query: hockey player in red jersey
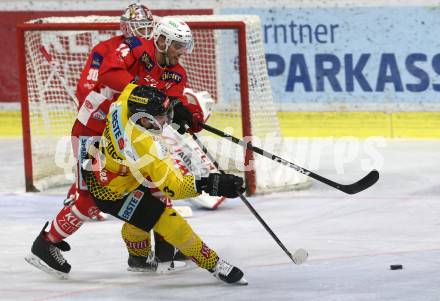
column 156, row 63
column 112, row 77
column 136, row 20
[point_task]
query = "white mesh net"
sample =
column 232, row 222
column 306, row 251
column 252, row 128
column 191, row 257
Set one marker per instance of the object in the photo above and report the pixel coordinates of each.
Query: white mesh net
column 212, row 67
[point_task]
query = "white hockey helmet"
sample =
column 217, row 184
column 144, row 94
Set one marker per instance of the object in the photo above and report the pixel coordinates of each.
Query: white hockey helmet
column 173, row 29
column 137, row 20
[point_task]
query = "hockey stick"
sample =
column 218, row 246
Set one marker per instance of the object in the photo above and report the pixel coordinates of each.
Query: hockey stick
column 300, row 255
column 353, row 188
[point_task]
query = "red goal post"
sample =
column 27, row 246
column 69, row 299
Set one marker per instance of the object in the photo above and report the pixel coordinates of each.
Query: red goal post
column 228, row 61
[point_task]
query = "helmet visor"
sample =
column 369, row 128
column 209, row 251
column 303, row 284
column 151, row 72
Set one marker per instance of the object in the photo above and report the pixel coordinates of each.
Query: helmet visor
column 183, row 47
column 155, row 123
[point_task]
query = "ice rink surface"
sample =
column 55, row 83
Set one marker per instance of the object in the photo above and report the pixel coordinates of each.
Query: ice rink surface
column 352, row 240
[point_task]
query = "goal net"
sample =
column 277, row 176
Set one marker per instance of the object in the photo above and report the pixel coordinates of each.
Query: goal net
column 228, row 61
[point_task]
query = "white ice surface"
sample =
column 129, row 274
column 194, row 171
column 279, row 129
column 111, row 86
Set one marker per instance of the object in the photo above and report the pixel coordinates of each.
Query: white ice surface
column 352, row 240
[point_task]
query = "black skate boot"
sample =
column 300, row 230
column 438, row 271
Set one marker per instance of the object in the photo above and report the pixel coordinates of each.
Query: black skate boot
column 228, row 273
column 141, row 264
column 150, row 264
column 47, row 257
column 166, row 252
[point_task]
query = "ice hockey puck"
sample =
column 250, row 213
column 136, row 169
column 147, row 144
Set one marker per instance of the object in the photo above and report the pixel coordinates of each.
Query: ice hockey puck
column 396, row 267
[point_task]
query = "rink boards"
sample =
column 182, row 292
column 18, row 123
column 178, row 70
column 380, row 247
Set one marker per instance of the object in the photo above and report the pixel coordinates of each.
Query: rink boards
column 317, row 124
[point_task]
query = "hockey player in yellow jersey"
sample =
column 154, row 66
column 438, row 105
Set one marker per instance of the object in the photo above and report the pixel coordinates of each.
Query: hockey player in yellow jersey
column 132, row 175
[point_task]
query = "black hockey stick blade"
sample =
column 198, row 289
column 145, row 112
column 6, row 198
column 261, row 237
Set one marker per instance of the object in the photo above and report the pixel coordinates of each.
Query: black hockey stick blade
column 369, row 180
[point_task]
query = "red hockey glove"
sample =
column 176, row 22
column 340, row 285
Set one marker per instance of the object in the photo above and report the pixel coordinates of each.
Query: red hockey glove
column 197, row 117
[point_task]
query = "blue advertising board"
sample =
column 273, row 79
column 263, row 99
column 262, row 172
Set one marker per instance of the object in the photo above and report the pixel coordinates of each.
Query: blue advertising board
column 363, row 57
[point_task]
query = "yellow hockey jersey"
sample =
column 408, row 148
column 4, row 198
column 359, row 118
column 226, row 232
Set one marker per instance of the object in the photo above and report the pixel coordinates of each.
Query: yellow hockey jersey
column 130, row 156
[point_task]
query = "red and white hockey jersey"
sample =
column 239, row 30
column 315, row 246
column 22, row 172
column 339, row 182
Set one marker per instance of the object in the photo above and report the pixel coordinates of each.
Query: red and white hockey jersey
column 90, row 74
column 133, row 60
column 94, row 105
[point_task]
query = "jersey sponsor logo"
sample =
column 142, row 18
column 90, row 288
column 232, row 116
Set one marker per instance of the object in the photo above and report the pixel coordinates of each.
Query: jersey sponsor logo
column 88, row 104
column 171, row 76
column 99, row 115
column 130, row 204
column 103, row 178
column 116, row 128
column 82, row 155
column 137, row 245
column 115, row 125
column 88, row 86
column 96, row 60
column 138, row 194
column 181, row 166
column 148, row 61
column 186, row 159
column 133, row 42
column 205, row 251
column 83, row 148
column 121, row 143
column 109, row 147
column 93, row 211
column 150, row 81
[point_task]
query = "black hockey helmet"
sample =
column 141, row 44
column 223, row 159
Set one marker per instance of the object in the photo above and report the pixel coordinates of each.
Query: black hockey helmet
column 151, row 103
column 149, row 100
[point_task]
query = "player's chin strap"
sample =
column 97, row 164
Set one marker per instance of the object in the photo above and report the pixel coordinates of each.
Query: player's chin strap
column 164, row 52
column 167, row 60
column 300, row 255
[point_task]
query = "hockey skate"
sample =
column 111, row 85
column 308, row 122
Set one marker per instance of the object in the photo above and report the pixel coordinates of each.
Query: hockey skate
column 47, row 257
column 152, row 265
column 228, row 273
column 164, row 251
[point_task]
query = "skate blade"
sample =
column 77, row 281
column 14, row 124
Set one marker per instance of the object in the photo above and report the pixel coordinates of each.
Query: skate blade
column 242, row 281
column 41, row 265
column 162, row 268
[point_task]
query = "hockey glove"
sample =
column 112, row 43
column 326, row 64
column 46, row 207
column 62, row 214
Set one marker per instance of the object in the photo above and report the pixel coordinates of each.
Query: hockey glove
column 182, row 116
column 187, row 114
column 197, row 117
column 216, row 184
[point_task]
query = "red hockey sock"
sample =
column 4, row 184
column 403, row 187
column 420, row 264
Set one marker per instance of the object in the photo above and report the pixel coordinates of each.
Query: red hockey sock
column 67, row 222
